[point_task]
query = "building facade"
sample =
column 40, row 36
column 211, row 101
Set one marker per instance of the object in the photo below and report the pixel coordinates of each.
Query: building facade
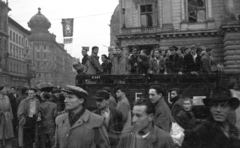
column 4, row 42
column 51, row 61
column 19, row 60
column 148, row 24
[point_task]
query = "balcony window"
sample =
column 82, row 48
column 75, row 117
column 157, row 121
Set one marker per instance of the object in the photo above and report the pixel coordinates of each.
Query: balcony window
column 196, row 11
column 146, row 15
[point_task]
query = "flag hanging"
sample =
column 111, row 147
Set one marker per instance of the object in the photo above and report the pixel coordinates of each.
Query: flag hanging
column 67, row 40
column 67, row 27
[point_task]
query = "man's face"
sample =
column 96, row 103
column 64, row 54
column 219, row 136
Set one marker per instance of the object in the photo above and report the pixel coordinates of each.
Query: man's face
column 119, row 93
column 153, row 96
column 134, row 51
column 173, row 94
column 12, row 90
column 173, row 52
column 194, row 50
column 103, row 58
column 118, row 51
column 4, row 91
column 156, row 54
column 31, row 94
column 220, row 111
column 72, row 101
column 101, row 103
column 41, row 95
column 84, row 52
column 114, row 51
column 141, row 119
column 95, row 50
column 187, row 105
column 142, row 53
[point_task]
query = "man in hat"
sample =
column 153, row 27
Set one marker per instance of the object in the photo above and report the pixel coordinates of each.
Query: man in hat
column 162, row 115
column 112, row 117
column 216, row 131
column 112, row 101
column 144, row 133
column 79, row 127
column 124, row 107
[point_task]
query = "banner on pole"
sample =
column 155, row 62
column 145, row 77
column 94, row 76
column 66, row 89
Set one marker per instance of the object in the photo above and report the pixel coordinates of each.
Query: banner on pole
column 67, row 40
column 67, row 27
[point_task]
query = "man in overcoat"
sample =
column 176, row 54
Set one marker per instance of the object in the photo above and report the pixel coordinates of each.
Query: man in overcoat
column 28, row 115
column 112, row 117
column 162, row 116
column 79, row 128
column 216, row 131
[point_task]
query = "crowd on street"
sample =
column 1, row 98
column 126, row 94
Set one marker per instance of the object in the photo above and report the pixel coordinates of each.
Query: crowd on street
column 60, row 118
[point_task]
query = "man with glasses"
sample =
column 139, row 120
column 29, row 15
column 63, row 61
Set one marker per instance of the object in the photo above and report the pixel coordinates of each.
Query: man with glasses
column 28, row 116
column 216, row 131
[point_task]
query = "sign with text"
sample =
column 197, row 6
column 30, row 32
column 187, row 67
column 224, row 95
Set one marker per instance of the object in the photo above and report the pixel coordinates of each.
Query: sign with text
column 197, row 100
column 67, row 40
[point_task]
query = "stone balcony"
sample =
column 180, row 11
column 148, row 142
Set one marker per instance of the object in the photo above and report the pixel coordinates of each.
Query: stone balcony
column 140, row 30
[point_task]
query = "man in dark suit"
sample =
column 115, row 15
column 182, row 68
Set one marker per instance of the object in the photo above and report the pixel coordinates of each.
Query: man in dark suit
column 13, row 100
column 112, row 117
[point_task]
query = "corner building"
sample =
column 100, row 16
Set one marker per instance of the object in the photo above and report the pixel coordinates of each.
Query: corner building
column 50, row 59
column 164, row 23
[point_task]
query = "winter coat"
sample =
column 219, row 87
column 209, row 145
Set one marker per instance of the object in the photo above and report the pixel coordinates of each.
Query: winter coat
column 209, row 135
column 87, row 132
column 6, row 116
column 120, row 65
column 107, row 67
column 92, row 65
column 176, row 106
column 206, row 63
column 156, row 139
column 144, row 65
column 124, row 107
column 189, row 64
column 155, row 66
column 114, row 127
column 48, row 112
column 162, row 116
column 186, row 119
column 22, row 113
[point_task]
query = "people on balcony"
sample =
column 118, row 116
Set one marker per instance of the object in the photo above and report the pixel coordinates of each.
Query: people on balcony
column 143, row 62
column 167, row 62
column 106, row 64
column 133, row 59
column 206, row 61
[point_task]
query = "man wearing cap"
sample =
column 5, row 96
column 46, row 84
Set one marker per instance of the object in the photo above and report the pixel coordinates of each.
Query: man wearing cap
column 112, row 117
column 79, row 128
column 112, row 101
column 216, row 131
column 162, row 115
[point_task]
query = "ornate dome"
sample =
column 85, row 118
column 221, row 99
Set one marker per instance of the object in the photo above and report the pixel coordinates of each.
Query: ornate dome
column 39, row 22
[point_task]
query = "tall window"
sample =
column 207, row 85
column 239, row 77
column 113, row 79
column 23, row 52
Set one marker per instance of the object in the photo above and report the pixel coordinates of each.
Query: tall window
column 17, row 38
column 196, row 11
column 14, row 36
column 146, row 15
column 10, row 34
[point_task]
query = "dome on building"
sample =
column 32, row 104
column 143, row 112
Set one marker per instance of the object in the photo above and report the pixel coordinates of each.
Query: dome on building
column 39, row 22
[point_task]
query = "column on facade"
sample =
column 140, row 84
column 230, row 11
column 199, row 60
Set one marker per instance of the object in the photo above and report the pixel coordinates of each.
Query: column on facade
column 209, row 10
column 229, row 9
column 183, row 10
column 167, row 14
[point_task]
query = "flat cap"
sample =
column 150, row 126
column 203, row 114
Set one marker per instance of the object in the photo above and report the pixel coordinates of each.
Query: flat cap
column 75, row 90
column 101, row 95
column 108, row 89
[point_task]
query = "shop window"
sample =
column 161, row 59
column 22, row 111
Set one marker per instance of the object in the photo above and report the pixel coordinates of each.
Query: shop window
column 146, row 12
column 196, row 11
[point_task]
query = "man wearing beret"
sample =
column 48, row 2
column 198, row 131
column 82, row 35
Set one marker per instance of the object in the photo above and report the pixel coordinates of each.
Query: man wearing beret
column 79, row 128
column 112, row 117
column 216, row 131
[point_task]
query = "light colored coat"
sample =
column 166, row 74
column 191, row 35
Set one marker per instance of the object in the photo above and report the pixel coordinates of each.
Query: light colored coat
column 120, row 65
column 23, row 110
column 87, row 132
column 6, row 116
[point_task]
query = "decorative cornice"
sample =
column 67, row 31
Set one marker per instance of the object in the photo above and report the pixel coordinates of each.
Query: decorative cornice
column 229, row 28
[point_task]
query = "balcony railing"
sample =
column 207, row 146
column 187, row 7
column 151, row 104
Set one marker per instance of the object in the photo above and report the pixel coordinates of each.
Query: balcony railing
column 140, row 30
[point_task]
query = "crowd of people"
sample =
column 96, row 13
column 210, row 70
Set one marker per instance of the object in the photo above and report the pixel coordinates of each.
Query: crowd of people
column 193, row 59
column 61, row 119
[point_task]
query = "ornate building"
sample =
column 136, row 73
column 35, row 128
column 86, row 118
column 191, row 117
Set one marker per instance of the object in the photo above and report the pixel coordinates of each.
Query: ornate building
column 51, row 61
column 163, row 23
column 3, row 42
column 19, row 60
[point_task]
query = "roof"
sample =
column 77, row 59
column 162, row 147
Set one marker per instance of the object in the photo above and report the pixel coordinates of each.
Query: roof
column 14, row 23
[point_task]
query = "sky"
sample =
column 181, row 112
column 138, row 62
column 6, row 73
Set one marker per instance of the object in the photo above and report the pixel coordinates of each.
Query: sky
column 91, row 20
